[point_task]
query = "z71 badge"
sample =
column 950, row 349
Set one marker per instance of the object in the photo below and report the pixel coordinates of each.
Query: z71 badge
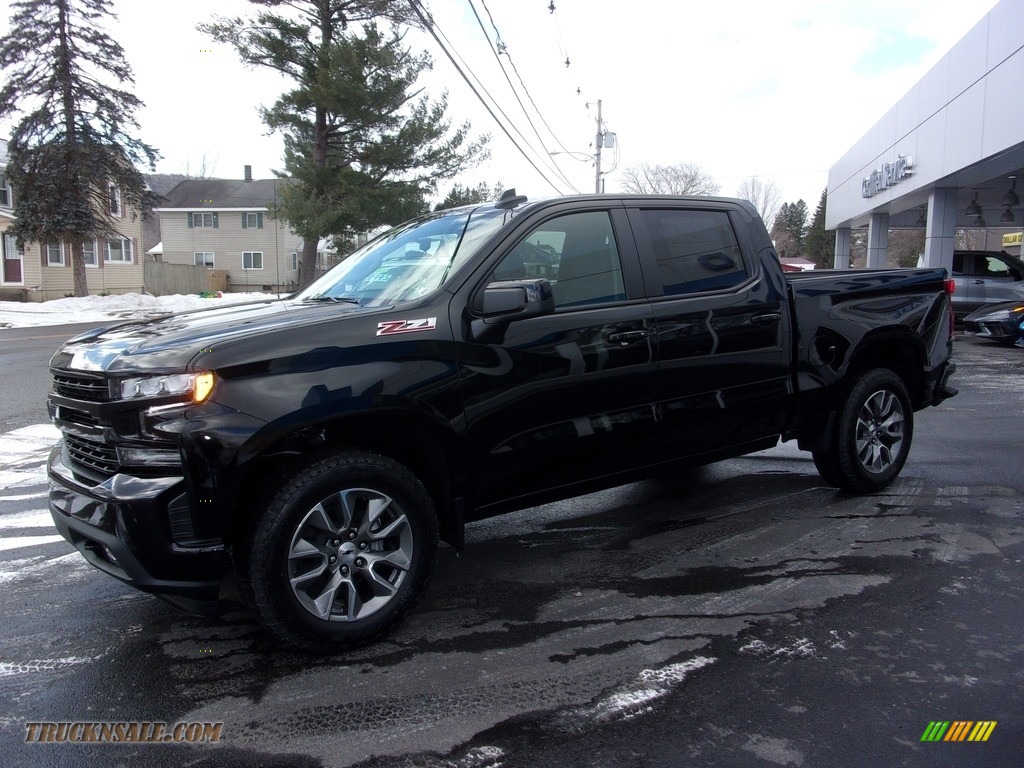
column 391, row 327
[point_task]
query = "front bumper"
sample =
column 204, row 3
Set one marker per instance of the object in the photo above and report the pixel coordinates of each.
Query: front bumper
column 123, row 526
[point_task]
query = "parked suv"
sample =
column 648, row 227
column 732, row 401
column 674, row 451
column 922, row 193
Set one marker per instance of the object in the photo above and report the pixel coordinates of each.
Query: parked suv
column 985, row 277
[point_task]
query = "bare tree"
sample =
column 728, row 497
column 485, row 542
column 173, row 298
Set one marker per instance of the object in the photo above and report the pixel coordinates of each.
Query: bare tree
column 763, row 195
column 679, row 179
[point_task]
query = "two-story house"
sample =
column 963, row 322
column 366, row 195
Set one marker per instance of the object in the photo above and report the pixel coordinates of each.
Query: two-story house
column 40, row 271
column 226, row 224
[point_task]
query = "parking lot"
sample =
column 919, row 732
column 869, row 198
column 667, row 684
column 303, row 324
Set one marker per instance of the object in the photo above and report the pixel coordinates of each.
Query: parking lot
column 742, row 614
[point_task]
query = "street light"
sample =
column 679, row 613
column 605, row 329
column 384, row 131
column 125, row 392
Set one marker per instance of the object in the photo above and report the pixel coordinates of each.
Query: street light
column 602, row 139
column 584, row 157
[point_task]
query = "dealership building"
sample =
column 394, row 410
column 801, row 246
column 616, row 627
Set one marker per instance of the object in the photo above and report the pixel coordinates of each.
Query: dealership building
column 948, row 156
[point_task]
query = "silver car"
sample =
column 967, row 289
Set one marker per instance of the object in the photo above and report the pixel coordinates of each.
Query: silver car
column 985, row 277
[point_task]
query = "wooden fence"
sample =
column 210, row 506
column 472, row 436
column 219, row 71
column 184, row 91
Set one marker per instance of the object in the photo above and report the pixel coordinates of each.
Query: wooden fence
column 163, row 279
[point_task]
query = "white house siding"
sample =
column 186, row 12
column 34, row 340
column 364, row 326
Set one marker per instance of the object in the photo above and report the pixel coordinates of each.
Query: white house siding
column 228, row 242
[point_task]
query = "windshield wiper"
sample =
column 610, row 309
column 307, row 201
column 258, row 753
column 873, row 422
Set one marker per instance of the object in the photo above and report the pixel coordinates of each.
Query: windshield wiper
column 341, row 299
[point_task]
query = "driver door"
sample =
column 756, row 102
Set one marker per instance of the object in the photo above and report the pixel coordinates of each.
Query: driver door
column 565, row 397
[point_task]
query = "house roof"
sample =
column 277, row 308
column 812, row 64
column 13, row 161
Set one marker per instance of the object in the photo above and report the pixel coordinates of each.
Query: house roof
column 218, row 194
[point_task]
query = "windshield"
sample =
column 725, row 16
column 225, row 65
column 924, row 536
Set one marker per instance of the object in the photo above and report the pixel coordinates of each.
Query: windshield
column 408, row 261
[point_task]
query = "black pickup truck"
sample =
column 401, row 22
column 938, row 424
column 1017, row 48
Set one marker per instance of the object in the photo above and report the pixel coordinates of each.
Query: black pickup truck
column 467, row 363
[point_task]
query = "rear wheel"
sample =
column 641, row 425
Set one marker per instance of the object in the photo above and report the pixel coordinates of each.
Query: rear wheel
column 872, row 435
column 342, row 552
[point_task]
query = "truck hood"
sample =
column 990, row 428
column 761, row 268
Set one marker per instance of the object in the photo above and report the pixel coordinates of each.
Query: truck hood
column 169, row 343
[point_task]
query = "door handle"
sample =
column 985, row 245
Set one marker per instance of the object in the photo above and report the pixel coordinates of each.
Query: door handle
column 977, row 282
column 770, row 318
column 625, row 337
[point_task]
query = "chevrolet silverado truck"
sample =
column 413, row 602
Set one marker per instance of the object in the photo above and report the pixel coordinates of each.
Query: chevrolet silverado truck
column 467, row 363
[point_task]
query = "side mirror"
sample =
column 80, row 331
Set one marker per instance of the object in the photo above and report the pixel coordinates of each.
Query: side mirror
column 508, row 300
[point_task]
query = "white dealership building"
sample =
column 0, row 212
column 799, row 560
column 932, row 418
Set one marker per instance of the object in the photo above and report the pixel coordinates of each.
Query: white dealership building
column 949, row 155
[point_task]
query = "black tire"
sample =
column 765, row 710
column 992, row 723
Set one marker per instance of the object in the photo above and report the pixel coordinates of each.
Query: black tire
column 873, row 432
column 342, row 552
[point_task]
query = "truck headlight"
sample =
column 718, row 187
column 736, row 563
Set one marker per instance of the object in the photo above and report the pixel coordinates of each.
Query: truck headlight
column 199, row 385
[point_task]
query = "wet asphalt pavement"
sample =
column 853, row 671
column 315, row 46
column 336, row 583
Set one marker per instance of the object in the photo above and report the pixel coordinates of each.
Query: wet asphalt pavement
column 742, row 614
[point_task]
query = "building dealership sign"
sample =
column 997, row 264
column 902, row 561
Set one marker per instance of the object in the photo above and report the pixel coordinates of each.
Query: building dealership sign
column 889, row 175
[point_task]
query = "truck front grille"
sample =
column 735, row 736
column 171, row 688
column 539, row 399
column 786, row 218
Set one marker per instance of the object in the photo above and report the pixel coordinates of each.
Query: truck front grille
column 94, row 455
column 81, row 386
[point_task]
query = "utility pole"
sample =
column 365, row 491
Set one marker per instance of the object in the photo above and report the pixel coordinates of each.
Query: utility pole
column 597, row 151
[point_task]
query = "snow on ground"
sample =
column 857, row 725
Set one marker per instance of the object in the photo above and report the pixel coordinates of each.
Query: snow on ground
column 98, row 309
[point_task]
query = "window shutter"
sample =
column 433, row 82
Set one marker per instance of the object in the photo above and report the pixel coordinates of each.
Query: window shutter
column 215, row 225
column 259, row 221
column 245, row 221
column 190, row 221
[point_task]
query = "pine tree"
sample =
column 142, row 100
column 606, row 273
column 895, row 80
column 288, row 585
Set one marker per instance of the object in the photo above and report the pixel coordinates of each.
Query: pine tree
column 361, row 149
column 71, row 144
column 790, row 228
column 460, row 195
column 820, row 244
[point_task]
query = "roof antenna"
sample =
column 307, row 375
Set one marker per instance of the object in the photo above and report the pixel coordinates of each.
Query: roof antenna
column 509, row 200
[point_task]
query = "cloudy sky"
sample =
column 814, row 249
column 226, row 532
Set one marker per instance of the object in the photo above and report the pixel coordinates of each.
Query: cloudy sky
column 741, row 87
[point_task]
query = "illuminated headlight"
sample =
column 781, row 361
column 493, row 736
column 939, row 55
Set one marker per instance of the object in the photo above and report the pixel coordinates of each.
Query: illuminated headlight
column 148, row 457
column 199, row 385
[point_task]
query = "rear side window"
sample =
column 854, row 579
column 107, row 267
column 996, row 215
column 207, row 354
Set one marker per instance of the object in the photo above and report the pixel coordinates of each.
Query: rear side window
column 696, row 251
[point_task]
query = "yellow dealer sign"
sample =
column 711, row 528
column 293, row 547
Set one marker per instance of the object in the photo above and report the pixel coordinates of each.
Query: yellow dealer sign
column 1011, row 239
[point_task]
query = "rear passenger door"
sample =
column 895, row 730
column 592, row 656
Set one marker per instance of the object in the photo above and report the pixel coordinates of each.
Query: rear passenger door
column 566, row 397
column 723, row 328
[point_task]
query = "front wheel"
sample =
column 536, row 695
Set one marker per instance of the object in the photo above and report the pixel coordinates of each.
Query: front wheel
column 872, row 435
column 342, row 552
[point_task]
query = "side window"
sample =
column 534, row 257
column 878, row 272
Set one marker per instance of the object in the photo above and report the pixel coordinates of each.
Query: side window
column 958, row 264
column 993, row 267
column 577, row 253
column 695, row 250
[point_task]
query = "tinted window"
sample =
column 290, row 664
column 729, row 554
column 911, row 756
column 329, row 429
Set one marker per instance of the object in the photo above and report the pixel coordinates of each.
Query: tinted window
column 576, row 252
column 695, row 250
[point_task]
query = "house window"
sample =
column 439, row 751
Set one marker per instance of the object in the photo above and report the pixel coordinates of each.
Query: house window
column 252, row 259
column 55, row 255
column 207, row 220
column 119, row 251
column 204, row 259
column 295, row 260
column 252, row 221
column 115, row 199
column 89, row 253
column 5, row 192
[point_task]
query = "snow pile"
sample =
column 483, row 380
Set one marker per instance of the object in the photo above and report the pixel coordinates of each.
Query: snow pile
column 99, row 309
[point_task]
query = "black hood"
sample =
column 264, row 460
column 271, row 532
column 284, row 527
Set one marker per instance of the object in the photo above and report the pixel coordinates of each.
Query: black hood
column 171, row 342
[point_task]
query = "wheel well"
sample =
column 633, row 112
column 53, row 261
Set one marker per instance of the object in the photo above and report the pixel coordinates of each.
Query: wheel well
column 900, row 356
column 404, row 437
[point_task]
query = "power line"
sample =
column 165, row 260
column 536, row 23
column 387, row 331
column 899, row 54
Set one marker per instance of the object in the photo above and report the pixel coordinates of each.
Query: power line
column 526, row 90
column 497, row 57
column 431, row 26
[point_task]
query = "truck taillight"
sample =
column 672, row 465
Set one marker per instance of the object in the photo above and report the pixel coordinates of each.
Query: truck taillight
column 950, row 286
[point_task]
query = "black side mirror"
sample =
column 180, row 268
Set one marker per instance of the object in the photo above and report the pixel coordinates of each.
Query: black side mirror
column 508, row 300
